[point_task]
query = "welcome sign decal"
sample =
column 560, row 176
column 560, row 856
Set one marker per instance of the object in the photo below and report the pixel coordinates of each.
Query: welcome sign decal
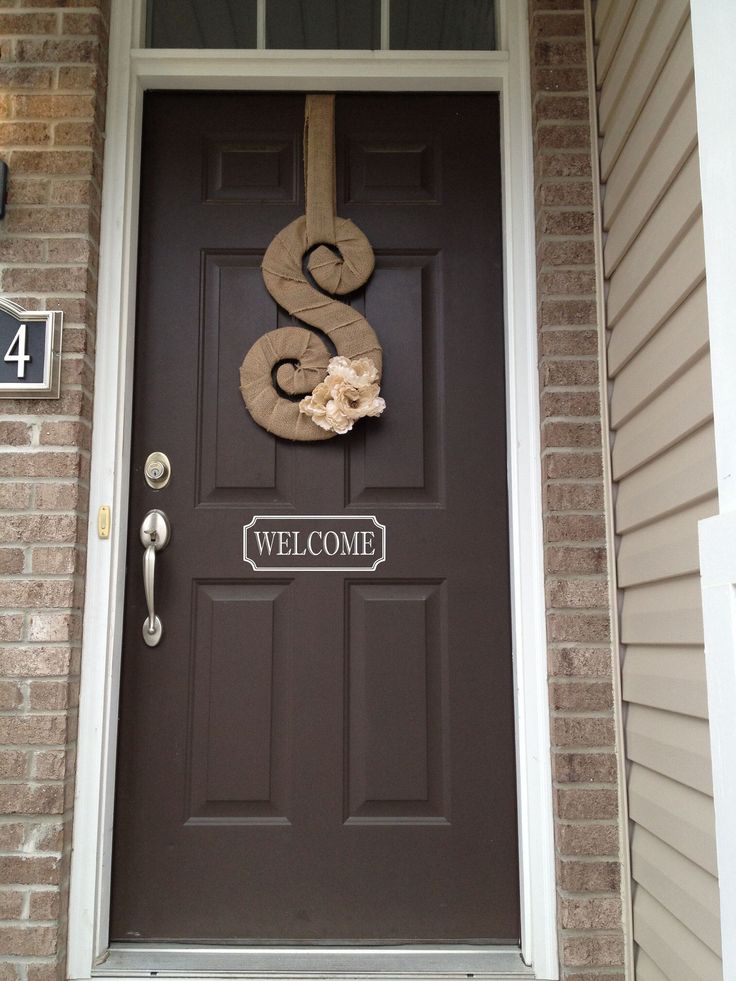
column 314, row 543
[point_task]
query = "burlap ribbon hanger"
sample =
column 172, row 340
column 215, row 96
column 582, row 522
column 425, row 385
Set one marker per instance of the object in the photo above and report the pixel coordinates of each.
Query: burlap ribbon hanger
column 301, row 355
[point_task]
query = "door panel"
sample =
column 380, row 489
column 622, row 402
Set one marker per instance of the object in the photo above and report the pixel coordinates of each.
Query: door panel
column 396, row 462
column 320, row 757
column 239, row 723
column 231, row 283
column 396, row 708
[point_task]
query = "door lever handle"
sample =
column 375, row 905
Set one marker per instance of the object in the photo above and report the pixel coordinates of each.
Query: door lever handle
column 155, row 535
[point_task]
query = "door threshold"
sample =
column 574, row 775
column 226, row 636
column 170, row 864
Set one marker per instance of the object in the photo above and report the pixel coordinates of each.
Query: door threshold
column 501, row 963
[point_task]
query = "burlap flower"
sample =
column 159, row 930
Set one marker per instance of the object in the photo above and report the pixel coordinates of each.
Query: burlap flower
column 349, row 392
column 359, row 373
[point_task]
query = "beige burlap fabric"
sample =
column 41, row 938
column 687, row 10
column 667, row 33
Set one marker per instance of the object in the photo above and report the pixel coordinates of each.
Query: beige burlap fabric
column 301, row 355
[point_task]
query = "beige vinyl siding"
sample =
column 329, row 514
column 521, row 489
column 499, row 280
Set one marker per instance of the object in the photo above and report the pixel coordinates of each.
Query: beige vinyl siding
column 663, row 463
column 681, row 886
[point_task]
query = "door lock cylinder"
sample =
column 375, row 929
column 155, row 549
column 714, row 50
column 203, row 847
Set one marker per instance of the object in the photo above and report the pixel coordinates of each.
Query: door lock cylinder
column 157, row 470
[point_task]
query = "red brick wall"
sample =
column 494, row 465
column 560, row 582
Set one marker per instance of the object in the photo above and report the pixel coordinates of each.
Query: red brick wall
column 52, row 97
column 576, row 560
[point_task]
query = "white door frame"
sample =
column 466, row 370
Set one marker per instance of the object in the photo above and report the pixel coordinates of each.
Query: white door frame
column 132, row 71
column 714, row 32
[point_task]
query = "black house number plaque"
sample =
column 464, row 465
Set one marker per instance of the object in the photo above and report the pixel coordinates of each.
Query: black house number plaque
column 30, row 352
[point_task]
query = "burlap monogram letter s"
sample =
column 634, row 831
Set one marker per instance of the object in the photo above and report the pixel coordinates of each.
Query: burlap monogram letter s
column 343, row 388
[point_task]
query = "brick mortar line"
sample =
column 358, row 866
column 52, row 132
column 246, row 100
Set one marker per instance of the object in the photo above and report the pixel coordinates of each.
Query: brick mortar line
column 92, row 39
column 545, row 180
column 32, row 747
column 43, row 448
column 546, row 359
column 544, row 122
column 31, row 482
column 39, row 118
column 556, row 678
column 74, row 645
column 571, row 513
column 591, row 751
column 585, row 860
column 578, row 786
column 26, row 923
column 567, row 328
column 555, row 209
column 573, row 481
column 586, row 932
column 35, row 782
column 586, row 420
column 59, row 645
column 36, row 714
column 579, row 645
column 47, row 263
column 575, row 451
column 596, row 894
column 544, row 390
column 40, row 820
column 54, row 445
column 35, row 887
column 33, row 147
column 50, row 450
column 29, row 958
column 555, row 297
column 555, row 151
column 51, row 514
column 50, row 264
column 566, row 542
column 547, row 267
column 46, row 543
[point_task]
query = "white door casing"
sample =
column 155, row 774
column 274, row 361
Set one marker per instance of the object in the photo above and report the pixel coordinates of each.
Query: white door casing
column 714, row 35
column 134, row 69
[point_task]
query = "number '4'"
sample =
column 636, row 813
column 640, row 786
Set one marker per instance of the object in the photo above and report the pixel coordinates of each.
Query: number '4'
column 20, row 357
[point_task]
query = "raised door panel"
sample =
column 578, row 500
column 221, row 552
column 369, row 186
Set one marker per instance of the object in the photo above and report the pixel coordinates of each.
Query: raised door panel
column 400, row 461
column 396, row 702
column 405, row 171
column 239, row 691
column 238, row 464
column 257, row 169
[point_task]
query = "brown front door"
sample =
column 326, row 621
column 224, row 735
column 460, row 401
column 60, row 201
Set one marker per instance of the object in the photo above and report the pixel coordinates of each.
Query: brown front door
column 320, row 756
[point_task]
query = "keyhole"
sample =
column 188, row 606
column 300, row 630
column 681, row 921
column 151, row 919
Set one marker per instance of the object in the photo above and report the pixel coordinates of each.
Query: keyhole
column 157, row 470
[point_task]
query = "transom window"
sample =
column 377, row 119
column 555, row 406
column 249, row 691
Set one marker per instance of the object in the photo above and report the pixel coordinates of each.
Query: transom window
column 401, row 25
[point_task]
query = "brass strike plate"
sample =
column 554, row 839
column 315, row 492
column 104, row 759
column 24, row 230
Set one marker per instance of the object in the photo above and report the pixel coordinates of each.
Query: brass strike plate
column 103, row 522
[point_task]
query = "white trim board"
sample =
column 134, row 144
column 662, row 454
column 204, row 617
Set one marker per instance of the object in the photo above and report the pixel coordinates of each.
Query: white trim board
column 132, row 71
column 714, row 34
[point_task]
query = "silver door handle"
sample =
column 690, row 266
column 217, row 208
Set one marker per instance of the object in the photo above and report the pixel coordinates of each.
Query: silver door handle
column 155, row 535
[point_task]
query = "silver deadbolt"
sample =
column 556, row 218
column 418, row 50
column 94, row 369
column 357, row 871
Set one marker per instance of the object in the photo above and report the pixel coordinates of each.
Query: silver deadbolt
column 157, row 470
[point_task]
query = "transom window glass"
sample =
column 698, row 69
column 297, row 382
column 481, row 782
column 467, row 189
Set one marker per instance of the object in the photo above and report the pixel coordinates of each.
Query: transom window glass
column 202, row 24
column 402, row 25
column 323, row 24
column 442, row 25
